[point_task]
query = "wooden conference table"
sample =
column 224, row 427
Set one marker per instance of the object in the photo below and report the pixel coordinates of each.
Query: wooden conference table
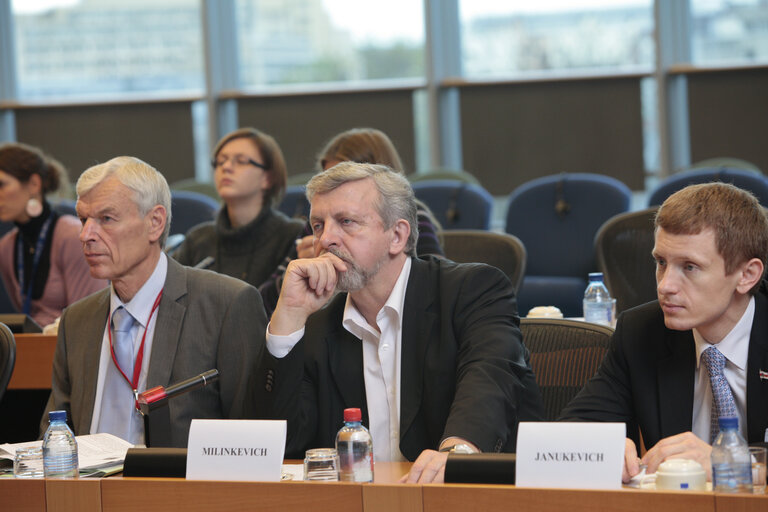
column 164, row 495
column 33, row 371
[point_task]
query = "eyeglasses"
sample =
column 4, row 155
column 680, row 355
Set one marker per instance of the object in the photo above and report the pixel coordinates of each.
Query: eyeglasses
column 239, row 160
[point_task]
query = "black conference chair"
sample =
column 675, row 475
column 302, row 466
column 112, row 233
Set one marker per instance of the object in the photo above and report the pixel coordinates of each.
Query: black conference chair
column 294, row 203
column 747, row 179
column 456, row 204
column 623, row 247
column 556, row 217
column 190, row 209
column 565, row 354
column 7, row 357
column 502, row 250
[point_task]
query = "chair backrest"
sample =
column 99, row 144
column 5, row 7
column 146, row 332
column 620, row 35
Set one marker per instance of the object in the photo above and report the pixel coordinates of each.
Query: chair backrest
column 301, row 178
column 64, row 207
column 724, row 161
column 747, row 179
column 556, row 217
column 190, row 209
column 502, row 250
column 456, row 204
column 623, row 247
column 565, row 354
column 443, row 174
column 192, row 185
column 7, row 357
column 294, row 203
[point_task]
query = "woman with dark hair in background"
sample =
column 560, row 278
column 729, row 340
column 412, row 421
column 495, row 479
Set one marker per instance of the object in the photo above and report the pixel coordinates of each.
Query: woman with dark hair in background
column 41, row 260
column 249, row 237
column 361, row 145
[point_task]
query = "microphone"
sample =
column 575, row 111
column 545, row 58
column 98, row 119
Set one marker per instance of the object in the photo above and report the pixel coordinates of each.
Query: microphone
column 158, row 393
column 153, row 404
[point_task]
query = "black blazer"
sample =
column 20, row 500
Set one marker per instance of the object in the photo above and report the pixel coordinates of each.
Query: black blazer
column 464, row 369
column 647, row 377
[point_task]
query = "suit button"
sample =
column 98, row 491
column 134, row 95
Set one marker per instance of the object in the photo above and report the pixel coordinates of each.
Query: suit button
column 268, row 387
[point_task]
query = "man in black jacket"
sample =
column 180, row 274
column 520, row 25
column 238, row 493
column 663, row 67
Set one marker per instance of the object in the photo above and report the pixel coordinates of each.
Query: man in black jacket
column 429, row 350
column 710, row 249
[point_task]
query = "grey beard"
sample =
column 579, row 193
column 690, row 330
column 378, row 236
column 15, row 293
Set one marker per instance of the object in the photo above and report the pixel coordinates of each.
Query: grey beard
column 355, row 278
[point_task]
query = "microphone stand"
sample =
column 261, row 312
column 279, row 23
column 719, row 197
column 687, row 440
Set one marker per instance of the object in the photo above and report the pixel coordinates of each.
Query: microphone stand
column 153, row 404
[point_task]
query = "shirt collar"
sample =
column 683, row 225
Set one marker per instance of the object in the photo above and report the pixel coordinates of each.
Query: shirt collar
column 354, row 322
column 140, row 306
column 735, row 345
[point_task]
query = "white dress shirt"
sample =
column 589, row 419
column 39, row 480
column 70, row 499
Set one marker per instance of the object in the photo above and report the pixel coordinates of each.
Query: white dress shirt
column 140, row 307
column 381, row 364
column 735, row 347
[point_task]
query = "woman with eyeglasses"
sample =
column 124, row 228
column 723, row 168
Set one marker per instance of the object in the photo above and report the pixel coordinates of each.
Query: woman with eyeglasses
column 41, row 259
column 249, row 237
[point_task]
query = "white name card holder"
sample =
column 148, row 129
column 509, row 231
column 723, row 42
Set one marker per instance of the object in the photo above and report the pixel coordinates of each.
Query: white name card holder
column 570, row 455
column 241, row 450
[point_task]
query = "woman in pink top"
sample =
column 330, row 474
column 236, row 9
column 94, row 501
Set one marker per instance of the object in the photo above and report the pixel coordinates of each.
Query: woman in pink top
column 41, row 260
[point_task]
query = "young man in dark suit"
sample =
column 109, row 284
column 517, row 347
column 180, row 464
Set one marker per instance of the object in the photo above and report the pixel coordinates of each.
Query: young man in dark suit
column 710, row 249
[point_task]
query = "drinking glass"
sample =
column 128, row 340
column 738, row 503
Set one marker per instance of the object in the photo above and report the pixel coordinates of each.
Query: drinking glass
column 321, row 464
column 759, row 455
column 28, row 463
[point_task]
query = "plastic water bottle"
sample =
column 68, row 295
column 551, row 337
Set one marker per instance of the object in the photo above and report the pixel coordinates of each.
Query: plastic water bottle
column 59, row 448
column 355, row 448
column 731, row 462
column 598, row 306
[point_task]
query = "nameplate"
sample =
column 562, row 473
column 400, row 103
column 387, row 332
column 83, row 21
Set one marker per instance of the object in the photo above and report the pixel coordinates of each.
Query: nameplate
column 570, row 455
column 242, row 450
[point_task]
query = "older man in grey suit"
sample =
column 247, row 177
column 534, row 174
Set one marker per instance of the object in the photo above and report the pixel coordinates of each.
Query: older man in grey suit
column 158, row 322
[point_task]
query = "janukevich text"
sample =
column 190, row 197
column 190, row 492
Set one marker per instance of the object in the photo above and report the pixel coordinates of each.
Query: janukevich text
column 569, row 456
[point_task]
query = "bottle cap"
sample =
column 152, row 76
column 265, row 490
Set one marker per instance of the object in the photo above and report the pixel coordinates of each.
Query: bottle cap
column 595, row 276
column 353, row 414
column 728, row 422
column 57, row 416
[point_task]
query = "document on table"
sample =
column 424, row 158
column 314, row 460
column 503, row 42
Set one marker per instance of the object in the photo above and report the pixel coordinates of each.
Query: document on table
column 99, row 454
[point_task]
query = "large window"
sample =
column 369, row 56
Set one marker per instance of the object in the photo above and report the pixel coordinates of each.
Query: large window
column 70, row 48
column 729, row 31
column 501, row 39
column 304, row 41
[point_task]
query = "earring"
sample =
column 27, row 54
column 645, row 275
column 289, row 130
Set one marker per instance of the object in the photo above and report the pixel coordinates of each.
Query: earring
column 34, row 207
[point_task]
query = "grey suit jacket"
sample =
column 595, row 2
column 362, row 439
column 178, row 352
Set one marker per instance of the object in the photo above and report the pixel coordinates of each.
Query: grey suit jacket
column 205, row 320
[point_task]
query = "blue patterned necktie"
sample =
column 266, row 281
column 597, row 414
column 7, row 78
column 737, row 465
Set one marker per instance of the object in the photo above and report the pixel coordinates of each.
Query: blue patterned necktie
column 118, row 402
column 723, row 403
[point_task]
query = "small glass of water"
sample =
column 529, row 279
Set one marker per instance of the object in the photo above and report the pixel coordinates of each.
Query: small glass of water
column 758, row 454
column 321, row 464
column 28, row 463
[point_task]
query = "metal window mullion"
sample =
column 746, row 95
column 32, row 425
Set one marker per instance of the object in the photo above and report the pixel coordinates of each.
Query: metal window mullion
column 8, row 77
column 443, row 54
column 673, row 47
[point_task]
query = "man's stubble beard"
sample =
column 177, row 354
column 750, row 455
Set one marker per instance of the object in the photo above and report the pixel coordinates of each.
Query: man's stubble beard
column 355, row 277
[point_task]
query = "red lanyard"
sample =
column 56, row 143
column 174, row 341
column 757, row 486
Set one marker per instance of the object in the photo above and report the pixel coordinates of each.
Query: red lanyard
column 140, row 356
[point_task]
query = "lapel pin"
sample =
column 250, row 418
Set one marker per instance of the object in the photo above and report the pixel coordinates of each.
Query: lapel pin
column 763, row 375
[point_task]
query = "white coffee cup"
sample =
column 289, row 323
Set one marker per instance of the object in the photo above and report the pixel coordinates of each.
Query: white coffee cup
column 680, row 475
